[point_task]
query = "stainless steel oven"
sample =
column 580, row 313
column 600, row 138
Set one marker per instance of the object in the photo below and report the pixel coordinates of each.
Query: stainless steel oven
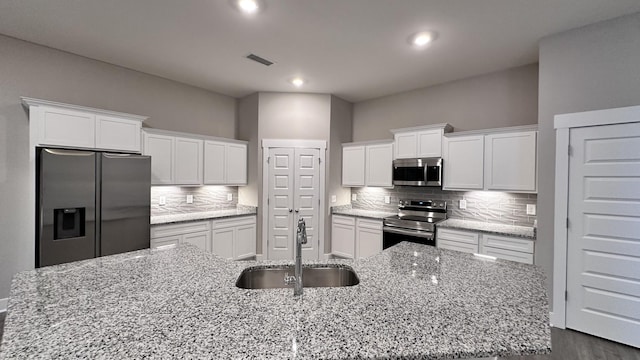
column 418, row 172
column 415, row 222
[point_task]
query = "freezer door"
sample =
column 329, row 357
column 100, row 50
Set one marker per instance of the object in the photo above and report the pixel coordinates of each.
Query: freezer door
column 65, row 229
column 125, row 203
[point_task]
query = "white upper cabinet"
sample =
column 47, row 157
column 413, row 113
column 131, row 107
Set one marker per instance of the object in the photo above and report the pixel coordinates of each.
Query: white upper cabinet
column 188, row 161
column 191, row 159
column 72, row 126
column 419, row 142
column 117, row 133
column 214, row 162
column 379, row 169
column 496, row 159
column 463, row 162
column 161, row 149
column 353, row 165
column 225, row 163
column 367, row 164
column 510, row 161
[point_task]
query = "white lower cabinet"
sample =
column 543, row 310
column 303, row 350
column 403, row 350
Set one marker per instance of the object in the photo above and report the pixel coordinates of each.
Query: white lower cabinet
column 368, row 237
column 234, row 238
column 197, row 233
column 502, row 247
column 355, row 237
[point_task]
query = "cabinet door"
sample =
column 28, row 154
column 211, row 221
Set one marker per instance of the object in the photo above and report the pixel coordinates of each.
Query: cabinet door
column 368, row 238
column 510, row 161
column 188, row 161
column 222, row 242
column 464, row 241
column 343, row 236
column 508, row 255
column 236, row 164
column 199, row 239
column 66, row 128
column 214, row 163
column 406, row 145
column 167, row 242
column 244, row 245
column 353, row 166
column 463, row 162
column 430, row 143
column 379, row 168
column 117, row 134
column 161, row 149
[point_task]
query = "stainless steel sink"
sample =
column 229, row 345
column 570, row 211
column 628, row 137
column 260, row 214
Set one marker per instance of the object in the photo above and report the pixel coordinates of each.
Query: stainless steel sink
column 329, row 275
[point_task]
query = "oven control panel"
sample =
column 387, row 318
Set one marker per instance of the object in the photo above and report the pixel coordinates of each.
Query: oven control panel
column 423, row 204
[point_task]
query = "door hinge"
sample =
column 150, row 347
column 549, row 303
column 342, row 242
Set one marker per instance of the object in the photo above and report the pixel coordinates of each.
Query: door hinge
column 566, row 295
column 567, row 223
column 569, row 152
column 319, row 161
column 267, row 201
column 268, row 158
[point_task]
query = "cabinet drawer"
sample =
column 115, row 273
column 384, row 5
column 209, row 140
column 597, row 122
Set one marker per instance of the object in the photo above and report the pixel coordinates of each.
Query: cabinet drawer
column 457, row 246
column 518, row 256
column 370, row 224
column 344, row 220
column 238, row 221
column 508, row 243
column 457, row 236
column 159, row 231
column 164, row 243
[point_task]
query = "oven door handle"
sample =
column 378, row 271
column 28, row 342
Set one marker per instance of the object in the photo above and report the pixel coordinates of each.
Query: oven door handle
column 417, row 233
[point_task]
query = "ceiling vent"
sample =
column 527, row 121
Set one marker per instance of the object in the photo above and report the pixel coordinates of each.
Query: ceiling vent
column 259, row 59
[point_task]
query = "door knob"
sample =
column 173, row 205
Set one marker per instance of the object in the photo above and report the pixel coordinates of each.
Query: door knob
column 290, row 210
column 297, row 211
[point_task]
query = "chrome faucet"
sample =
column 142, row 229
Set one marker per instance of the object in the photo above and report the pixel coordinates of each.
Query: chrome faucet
column 301, row 238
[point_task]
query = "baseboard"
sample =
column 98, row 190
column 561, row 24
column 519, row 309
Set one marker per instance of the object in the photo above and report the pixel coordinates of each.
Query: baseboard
column 557, row 323
column 3, row 304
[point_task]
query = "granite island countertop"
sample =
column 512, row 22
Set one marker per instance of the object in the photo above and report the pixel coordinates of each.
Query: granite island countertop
column 490, row 228
column 413, row 301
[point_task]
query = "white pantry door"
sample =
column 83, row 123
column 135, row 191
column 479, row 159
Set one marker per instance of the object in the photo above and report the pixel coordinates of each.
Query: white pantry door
column 603, row 251
column 294, row 192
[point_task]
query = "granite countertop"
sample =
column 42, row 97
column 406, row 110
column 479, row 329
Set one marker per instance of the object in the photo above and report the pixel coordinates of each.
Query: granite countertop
column 202, row 215
column 347, row 210
column 413, row 301
column 491, row 228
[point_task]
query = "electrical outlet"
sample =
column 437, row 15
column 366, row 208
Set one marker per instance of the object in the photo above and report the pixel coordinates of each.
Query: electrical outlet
column 334, row 198
column 354, row 197
column 531, row 209
column 229, row 196
column 387, row 199
column 189, row 199
column 462, row 204
column 162, row 201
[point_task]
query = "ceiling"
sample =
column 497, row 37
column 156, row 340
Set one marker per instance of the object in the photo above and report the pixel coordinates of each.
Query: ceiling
column 355, row 49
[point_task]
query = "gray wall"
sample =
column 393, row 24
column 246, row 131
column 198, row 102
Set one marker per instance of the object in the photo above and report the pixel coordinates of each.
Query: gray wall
column 32, row 70
column 294, row 116
column 247, row 129
column 340, row 132
column 590, row 68
column 505, row 98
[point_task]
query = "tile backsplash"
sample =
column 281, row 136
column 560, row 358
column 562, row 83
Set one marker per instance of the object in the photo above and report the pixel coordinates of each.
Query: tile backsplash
column 487, row 206
column 205, row 198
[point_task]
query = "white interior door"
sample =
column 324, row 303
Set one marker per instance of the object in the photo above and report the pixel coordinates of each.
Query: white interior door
column 603, row 261
column 294, row 192
column 281, row 194
column 307, row 198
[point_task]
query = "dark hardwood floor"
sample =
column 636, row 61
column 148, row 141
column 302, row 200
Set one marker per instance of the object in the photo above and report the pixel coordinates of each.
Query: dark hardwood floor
column 566, row 344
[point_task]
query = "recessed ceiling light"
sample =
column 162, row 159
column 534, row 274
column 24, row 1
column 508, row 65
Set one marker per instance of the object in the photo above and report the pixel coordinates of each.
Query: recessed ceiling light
column 248, row 6
column 422, row 38
column 297, row 81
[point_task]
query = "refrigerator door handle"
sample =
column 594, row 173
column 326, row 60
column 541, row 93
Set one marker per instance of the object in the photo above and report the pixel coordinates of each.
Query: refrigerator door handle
column 69, row 152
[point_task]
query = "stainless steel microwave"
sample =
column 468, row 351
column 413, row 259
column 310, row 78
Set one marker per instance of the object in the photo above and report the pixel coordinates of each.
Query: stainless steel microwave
column 418, row 172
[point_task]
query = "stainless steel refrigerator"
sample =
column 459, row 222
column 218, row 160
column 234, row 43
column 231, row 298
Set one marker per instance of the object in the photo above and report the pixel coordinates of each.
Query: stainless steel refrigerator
column 90, row 204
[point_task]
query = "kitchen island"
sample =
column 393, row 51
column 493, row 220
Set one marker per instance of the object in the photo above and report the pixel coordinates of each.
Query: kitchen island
column 413, row 301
